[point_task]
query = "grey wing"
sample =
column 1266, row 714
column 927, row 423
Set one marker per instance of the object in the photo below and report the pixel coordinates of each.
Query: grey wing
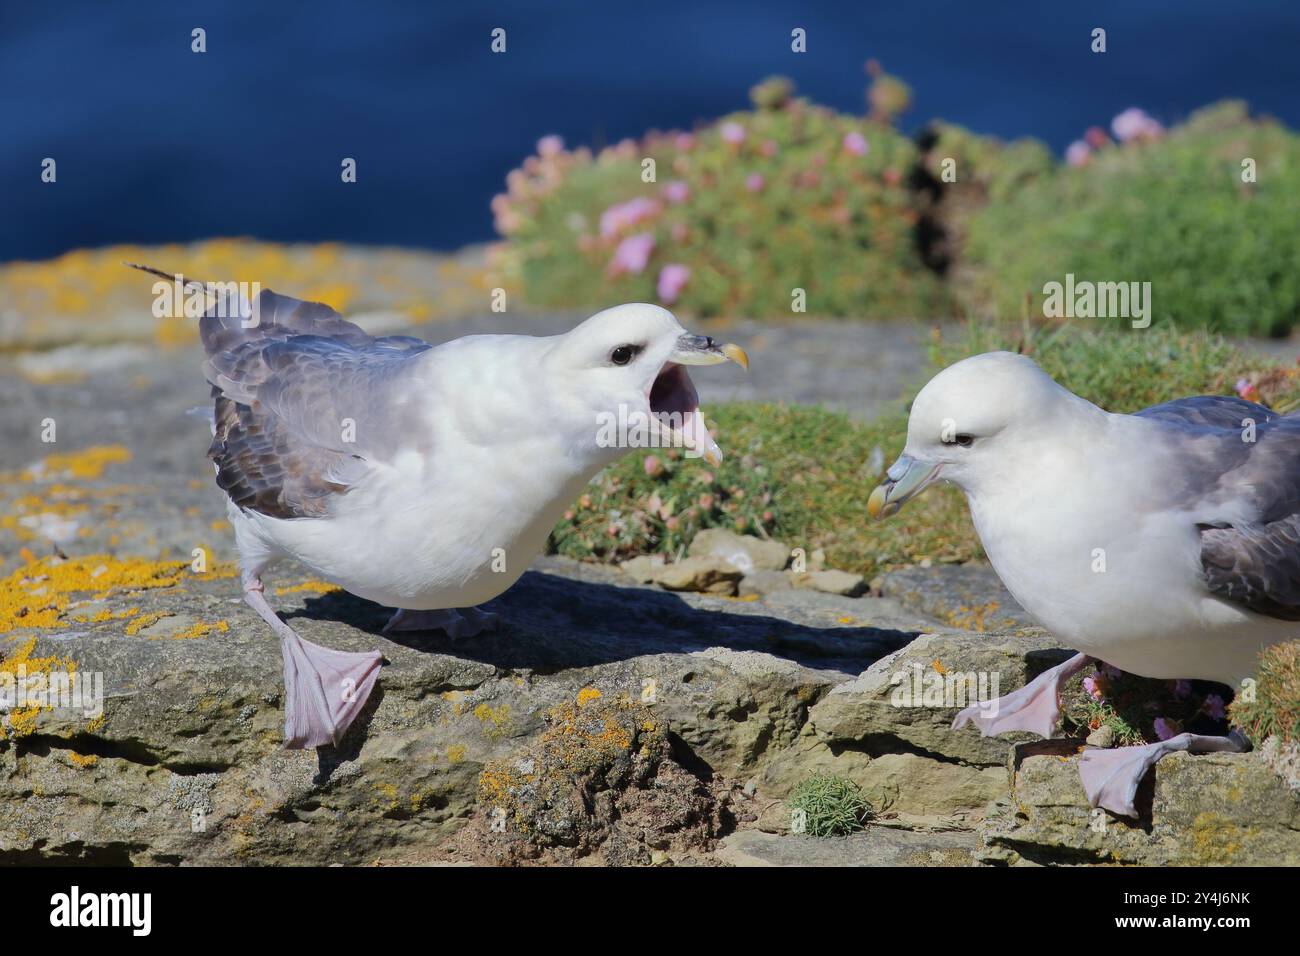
column 1254, row 564
column 305, row 402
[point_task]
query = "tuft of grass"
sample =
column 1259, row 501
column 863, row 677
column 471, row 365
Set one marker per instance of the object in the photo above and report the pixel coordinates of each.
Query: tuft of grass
column 834, row 805
column 1275, row 709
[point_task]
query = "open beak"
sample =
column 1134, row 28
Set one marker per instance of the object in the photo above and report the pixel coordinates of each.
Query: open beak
column 907, row 478
column 674, row 402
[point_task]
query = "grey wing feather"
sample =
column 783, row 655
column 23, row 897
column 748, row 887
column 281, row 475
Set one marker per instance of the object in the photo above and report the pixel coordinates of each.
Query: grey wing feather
column 289, row 393
column 1255, row 564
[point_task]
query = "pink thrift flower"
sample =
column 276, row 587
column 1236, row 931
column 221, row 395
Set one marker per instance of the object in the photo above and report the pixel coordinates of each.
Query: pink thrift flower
column 632, row 254
column 1078, row 153
column 1093, row 687
column 1133, row 124
column 625, row 215
column 1096, row 137
column 677, row 191
column 732, row 133
column 1182, row 688
column 1166, row 728
column 550, row 145
column 754, row 182
column 1213, row 705
column 672, row 279
column 1246, row 390
column 684, row 141
column 856, row 143
column 769, row 148
column 653, row 466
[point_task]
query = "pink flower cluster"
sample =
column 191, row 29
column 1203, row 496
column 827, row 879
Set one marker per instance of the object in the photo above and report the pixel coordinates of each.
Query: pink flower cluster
column 1130, row 125
column 625, row 215
column 632, row 254
column 672, row 280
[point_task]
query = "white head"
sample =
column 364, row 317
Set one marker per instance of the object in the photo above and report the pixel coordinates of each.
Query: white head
column 973, row 422
column 629, row 362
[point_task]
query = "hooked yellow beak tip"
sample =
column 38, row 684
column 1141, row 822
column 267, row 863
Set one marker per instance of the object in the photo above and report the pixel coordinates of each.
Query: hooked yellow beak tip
column 876, row 503
column 737, row 355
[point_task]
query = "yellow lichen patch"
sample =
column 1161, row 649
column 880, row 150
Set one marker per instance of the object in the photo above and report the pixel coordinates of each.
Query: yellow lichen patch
column 100, row 616
column 82, row 760
column 37, row 594
column 497, row 719
column 200, row 629
column 455, row 753
column 88, row 463
column 145, row 620
column 587, row 695
column 311, row 587
column 976, row 618
column 845, row 619
column 938, row 666
column 33, row 674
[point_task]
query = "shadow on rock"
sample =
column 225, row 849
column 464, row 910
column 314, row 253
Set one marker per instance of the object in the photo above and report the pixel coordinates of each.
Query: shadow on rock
column 550, row 622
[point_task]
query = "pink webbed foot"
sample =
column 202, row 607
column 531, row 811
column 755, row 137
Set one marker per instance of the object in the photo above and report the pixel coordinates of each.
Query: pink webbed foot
column 325, row 690
column 1111, row 777
column 1036, row 707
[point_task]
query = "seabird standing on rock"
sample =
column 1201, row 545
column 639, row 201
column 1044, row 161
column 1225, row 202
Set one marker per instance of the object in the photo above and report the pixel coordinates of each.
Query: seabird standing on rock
column 1165, row 543
column 423, row 478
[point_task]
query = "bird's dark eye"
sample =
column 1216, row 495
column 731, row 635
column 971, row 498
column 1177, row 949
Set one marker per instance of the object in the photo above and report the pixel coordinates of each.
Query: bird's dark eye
column 624, row 354
column 964, row 440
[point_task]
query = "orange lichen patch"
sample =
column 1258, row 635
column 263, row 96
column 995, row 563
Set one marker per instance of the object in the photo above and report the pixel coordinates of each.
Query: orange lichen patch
column 37, row 594
column 587, row 695
column 311, row 587
column 82, row 760
column 938, row 666
column 220, row 524
column 34, row 675
column 846, row 619
column 337, row 295
column 976, row 618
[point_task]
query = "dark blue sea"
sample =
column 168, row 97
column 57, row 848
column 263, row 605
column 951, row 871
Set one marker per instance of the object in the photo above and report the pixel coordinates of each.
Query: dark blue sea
column 156, row 143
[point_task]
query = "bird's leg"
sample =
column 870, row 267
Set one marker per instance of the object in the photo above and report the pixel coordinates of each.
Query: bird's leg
column 1036, row 707
column 465, row 622
column 1111, row 777
column 477, row 621
column 404, row 619
column 324, row 689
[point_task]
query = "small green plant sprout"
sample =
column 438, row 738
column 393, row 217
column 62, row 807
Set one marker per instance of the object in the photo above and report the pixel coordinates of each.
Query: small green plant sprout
column 828, row 805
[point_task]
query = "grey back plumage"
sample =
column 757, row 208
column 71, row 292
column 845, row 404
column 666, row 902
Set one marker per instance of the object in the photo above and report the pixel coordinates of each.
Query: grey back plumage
column 1254, row 564
column 290, row 391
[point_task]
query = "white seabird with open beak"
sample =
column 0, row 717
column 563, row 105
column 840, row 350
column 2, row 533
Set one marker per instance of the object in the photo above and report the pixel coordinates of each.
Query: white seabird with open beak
column 423, row 478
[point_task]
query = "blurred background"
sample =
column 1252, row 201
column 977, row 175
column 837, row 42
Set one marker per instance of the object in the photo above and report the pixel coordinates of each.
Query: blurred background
column 157, row 144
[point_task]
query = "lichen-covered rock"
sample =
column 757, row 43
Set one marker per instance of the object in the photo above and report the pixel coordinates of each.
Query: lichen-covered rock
column 1197, row 809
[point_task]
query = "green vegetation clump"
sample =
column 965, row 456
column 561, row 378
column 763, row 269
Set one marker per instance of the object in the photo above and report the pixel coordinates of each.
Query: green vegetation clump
column 802, row 475
column 833, row 806
column 1170, row 209
column 742, row 213
column 1275, row 709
